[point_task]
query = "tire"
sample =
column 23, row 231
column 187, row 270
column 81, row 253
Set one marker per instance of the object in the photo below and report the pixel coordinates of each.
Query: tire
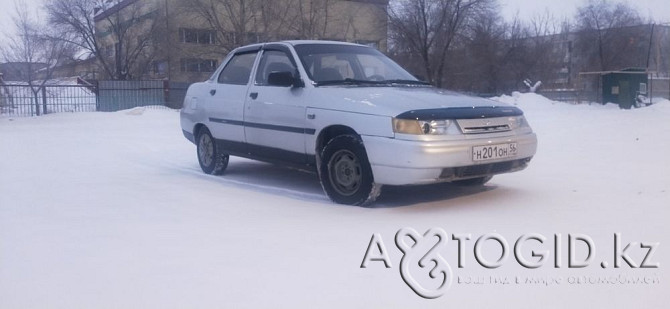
column 212, row 160
column 480, row 181
column 345, row 172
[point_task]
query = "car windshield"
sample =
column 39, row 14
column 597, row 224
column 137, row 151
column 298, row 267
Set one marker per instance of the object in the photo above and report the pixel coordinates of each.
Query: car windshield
column 332, row 64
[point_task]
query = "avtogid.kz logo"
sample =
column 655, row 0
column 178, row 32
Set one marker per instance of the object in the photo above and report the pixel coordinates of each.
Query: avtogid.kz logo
column 429, row 275
column 415, row 254
column 421, row 251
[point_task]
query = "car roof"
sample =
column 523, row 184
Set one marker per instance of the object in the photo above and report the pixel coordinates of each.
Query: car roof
column 294, row 43
column 304, row 42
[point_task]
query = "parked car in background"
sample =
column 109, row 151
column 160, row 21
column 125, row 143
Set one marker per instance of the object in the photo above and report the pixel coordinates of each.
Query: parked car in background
column 353, row 116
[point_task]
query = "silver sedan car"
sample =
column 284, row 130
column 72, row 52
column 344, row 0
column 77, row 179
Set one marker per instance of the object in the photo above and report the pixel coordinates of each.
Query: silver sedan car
column 351, row 115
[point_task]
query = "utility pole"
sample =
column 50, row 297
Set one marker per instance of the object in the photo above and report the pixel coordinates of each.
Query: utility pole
column 168, row 36
column 651, row 41
column 650, row 76
column 665, row 34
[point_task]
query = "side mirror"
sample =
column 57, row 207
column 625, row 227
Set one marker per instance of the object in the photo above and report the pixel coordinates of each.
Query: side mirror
column 281, row 79
column 284, row 79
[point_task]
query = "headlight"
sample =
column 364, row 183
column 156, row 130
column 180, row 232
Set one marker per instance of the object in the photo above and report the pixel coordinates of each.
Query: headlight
column 406, row 126
column 517, row 122
column 424, row 127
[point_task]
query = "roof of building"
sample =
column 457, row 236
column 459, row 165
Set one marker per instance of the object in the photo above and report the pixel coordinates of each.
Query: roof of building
column 105, row 12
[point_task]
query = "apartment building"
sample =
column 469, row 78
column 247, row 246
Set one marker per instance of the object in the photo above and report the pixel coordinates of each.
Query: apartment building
column 185, row 40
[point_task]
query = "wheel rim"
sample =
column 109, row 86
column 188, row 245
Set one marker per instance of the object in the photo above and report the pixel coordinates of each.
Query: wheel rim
column 206, row 150
column 345, row 172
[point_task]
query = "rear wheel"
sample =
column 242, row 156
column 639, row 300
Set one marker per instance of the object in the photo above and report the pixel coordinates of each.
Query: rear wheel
column 480, row 181
column 212, row 160
column 345, row 172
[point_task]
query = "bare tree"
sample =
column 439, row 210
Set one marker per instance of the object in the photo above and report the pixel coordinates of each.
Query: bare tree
column 604, row 32
column 480, row 68
column 428, row 29
column 36, row 51
column 275, row 19
column 233, row 20
column 241, row 22
column 313, row 18
column 544, row 24
column 542, row 57
column 492, row 55
column 123, row 41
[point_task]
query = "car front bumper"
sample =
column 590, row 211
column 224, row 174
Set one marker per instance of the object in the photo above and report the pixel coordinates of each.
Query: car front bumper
column 405, row 162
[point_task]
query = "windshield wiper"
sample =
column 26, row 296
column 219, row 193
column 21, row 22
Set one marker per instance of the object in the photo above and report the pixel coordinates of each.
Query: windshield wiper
column 349, row 81
column 406, row 81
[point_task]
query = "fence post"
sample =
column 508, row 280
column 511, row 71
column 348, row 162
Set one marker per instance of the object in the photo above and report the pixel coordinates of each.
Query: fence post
column 651, row 88
column 44, row 100
column 97, row 95
column 166, row 93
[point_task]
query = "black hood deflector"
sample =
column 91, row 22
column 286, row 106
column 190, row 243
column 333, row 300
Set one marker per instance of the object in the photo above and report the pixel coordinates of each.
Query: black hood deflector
column 477, row 112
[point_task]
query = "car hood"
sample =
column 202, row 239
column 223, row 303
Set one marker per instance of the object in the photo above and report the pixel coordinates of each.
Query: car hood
column 393, row 101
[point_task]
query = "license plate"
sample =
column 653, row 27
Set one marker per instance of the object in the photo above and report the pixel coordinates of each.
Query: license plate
column 493, row 152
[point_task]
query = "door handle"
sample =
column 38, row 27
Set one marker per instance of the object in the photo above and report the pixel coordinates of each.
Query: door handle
column 212, row 92
column 253, row 95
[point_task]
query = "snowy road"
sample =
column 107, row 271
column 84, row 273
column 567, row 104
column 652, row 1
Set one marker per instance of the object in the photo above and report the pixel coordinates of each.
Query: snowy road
column 111, row 211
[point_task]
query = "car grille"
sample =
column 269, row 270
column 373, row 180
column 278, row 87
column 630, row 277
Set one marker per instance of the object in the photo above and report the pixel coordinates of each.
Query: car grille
column 483, row 126
column 489, row 129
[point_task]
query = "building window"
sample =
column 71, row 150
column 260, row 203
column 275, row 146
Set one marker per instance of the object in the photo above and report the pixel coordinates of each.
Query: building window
column 197, row 36
column 108, row 51
column 242, row 39
column 198, row 65
column 160, row 67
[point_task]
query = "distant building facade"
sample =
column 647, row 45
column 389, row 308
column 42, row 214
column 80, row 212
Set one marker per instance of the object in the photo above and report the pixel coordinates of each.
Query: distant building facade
column 86, row 69
column 188, row 44
column 19, row 71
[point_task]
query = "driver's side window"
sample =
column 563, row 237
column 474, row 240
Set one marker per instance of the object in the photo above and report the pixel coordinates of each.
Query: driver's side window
column 238, row 69
column 373, row 68
column 327, row 67
column 272, row 62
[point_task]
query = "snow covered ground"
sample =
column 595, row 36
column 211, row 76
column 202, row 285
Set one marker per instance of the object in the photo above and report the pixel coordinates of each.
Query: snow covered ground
column 110, row 210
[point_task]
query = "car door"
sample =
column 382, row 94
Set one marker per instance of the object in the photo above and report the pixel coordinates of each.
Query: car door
column 227, row 98
column 275, row 123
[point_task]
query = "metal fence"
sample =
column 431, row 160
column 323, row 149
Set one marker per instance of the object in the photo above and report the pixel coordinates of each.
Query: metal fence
column 572, row 95
column 175, row 94
column 591, row 90
column 104, row 96
column 119, row 95
column 24, row 100
column 659, row 88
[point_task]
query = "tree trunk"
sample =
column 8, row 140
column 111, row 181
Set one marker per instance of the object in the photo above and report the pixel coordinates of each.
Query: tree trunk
column 37, row 102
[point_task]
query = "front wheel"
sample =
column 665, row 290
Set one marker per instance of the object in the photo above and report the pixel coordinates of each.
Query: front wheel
column 345, row 172
column 212, row 160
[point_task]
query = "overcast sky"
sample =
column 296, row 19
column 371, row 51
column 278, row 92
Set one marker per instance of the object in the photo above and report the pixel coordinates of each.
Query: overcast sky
column 658, row 9
column 7, row 10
